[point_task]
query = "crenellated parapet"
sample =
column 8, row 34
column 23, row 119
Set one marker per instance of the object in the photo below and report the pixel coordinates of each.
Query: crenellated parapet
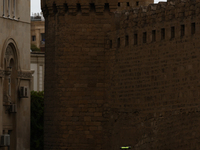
column 51, row 8
column 161, row 12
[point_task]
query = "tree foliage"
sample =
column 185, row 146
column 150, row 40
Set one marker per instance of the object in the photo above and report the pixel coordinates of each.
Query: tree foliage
column 34, row 48
column 37, row 124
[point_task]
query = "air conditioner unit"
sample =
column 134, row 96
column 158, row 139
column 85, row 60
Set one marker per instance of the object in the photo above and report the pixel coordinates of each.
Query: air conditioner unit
column 5, row 140
column 23, row 92
column 13, row 108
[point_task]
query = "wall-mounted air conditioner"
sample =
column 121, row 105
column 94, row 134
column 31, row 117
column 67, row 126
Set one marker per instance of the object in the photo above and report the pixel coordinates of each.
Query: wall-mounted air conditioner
column 5, row 140
column 23, row 92
column 13, row 108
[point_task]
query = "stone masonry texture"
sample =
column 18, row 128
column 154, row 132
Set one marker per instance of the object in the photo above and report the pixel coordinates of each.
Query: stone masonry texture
column 117, row 77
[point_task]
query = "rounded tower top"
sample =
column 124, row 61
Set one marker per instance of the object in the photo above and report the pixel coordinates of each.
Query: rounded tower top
column 71, row 7
column 86, row 6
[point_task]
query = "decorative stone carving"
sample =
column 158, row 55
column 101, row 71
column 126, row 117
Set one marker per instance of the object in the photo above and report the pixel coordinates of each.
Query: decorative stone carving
column 8, row 72
column 9, row 52
column 2, row 73
column 25, row 75
column 6, row 100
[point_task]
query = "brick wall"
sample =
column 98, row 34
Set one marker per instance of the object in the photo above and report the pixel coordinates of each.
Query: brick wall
column 75, row 81
column 155, row 81
column 105, row 89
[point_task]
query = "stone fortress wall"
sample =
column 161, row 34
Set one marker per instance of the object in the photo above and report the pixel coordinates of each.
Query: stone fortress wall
column 122, row 77
column 154, row 52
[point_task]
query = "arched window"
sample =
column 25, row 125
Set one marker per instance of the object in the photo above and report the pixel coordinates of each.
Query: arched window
column 12, row 68
column 9, row 8
column 14, row 8
column 3, row 8
column 11, row 73
column 9, row 86
column 9, row 3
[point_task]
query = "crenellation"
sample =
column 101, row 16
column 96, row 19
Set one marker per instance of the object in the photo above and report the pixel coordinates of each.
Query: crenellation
column 75, row 8
column 163, row 11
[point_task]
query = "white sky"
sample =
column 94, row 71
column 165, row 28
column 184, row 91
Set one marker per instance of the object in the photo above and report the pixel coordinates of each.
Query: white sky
column 35, row 5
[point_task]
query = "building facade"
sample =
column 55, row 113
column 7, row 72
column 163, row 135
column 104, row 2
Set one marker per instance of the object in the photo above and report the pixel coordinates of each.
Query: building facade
column 15, row 75
column 38, row 66
column 122, row 74
column 38, row 31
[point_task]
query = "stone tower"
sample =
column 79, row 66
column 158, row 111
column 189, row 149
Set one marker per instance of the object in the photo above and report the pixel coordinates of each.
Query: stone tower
column 77, row 107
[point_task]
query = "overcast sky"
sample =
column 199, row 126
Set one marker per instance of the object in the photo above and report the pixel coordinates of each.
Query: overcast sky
column 35, row 5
